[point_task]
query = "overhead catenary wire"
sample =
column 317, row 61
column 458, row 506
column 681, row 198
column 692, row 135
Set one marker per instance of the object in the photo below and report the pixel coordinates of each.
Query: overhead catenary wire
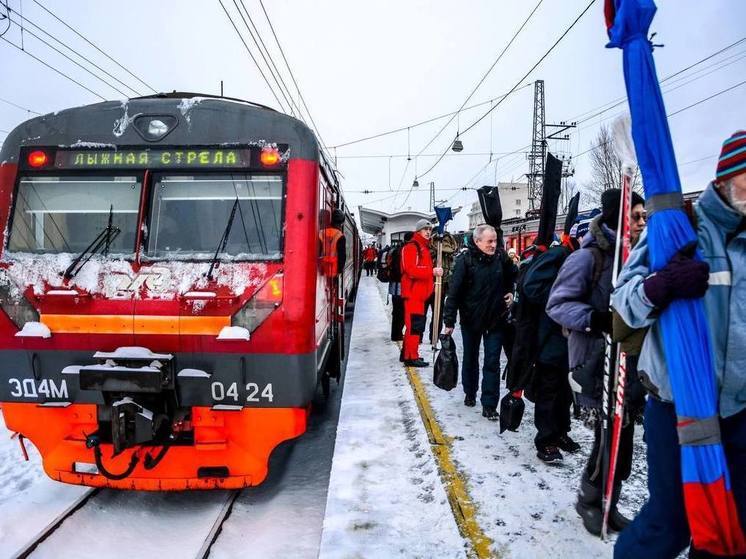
column 422, row 122
column 17, row 106
column 292, row 75
column 78, row 64
column 719, row 64
column 268, row 63
column 114, row 60
column 517, row 84
column 679, row 111
column 60, row 72
column 484, row 77
column 251, row 55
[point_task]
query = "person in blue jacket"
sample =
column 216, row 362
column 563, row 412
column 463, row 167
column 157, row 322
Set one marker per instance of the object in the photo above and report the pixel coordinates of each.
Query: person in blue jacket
column 660, row 530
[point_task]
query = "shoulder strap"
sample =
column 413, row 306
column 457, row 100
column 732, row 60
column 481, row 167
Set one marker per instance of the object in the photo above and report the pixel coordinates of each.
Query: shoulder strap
column 598, row 265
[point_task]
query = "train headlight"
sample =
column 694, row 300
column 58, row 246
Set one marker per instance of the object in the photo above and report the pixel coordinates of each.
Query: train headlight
column 157, row 128
column 270, row 156
column 38, row 159
column 153, row 128
column 261, row 305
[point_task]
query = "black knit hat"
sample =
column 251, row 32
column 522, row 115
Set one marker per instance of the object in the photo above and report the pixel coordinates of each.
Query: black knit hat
column 610, row 206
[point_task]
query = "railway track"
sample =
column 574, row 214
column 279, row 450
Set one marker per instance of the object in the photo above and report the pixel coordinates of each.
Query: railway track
column 55, row 524
column 61, row 537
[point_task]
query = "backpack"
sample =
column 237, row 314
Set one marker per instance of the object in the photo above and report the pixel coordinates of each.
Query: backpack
column 383, row 266
column 527, row 346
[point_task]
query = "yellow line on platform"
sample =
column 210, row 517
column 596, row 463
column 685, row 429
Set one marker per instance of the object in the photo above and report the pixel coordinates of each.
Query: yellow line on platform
column 464, row 509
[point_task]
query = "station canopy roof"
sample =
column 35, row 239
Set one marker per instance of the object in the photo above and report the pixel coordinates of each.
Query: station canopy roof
column 372, row 221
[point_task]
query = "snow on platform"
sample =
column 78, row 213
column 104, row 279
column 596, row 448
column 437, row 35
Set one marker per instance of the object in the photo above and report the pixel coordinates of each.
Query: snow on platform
column 385, row 496
column 29, row 500
column 526, row 507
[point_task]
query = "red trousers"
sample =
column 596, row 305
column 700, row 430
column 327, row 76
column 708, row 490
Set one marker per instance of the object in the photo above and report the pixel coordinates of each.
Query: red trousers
column 414, row 322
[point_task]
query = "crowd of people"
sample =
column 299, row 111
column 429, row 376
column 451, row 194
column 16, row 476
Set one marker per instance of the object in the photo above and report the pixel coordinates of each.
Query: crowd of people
column 575, row 304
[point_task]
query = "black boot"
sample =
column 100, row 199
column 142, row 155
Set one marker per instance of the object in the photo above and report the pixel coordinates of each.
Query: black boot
column 617, row 521
column 588, row 506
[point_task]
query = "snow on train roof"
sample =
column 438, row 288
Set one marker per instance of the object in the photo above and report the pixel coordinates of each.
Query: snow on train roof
column 200, row 120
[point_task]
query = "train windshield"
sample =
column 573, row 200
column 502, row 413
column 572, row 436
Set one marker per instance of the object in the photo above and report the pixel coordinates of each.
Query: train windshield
column 64, row 214
column 237, row 215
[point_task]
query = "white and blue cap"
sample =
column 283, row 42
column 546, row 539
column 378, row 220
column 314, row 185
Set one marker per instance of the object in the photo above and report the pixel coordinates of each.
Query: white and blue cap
column 580, row 228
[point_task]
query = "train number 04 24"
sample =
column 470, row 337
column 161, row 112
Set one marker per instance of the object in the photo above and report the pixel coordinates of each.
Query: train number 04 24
column 222, row 392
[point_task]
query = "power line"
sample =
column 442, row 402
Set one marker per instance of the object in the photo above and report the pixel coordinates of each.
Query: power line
column 484, row 77
column 707, row 98
column 248, row 50
column 18, row 106
column 292, row 76
column 402, row 155
column 422, row 122
column 115, row 88
column 61, row 73
column 515, row 87
column 261, row 53
column 621, row 100
column 94, row 46
column 669, row 115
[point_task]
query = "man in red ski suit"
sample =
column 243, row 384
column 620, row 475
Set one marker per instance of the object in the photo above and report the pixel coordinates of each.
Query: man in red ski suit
column 417, row 273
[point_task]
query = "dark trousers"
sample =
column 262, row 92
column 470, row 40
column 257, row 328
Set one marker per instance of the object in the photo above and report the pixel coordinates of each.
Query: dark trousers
column 397, row 318
column 370, row 268
column 661, row 530
column 552, row 408
column 595, row 466
column 491, row 370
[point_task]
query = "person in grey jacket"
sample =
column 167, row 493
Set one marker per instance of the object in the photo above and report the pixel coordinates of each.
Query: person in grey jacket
column 579, row 301
column 660, row 529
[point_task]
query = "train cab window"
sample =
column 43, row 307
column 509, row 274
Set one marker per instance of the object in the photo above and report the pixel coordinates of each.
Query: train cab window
column 192, row 217
column 66, row 214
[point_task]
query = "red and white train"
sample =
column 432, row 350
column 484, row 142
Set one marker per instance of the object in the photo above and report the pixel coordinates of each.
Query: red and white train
column 168, row 303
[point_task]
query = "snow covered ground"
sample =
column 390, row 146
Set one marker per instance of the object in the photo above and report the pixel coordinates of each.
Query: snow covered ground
column 29, row 500
column 386, row 498
column 524, row 505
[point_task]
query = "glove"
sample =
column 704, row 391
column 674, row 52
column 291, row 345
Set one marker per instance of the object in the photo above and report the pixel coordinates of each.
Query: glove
column 601, row 322
column 682, row 278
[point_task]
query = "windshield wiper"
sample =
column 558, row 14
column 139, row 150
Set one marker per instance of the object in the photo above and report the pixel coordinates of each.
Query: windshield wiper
column 103, row 239
column 223, row 240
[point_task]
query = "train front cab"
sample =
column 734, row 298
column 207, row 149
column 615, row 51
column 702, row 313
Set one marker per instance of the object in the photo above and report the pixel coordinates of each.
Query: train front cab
column 139, row 388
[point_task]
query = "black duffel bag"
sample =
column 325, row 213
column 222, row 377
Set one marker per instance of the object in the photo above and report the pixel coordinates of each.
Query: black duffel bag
column 445, row 373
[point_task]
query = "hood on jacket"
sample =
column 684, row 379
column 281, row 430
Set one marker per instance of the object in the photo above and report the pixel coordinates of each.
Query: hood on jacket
column 600, row 235
column 718, row 211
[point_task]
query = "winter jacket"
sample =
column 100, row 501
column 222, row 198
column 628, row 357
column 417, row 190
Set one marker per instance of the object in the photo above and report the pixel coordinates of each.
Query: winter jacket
column 574, row 297
column 416, row 269
column 477, row 290
column 536, row 285
column 722, row 243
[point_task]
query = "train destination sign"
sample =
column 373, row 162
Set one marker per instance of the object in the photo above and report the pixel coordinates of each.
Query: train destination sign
column 152, row 158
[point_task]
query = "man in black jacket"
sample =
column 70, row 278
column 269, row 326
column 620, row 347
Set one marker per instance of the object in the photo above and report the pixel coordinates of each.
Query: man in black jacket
column 481, row 291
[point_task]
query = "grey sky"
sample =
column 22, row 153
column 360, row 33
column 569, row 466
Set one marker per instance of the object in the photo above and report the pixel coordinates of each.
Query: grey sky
column 367, row 67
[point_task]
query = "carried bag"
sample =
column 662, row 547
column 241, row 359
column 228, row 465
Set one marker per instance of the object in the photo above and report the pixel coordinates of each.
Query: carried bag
column 445, row 372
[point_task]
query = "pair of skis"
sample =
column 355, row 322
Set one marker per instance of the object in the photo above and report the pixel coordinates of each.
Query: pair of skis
column 615, row 371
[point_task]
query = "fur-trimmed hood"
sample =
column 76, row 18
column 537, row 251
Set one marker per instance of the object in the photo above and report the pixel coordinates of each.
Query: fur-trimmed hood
column 599, row 235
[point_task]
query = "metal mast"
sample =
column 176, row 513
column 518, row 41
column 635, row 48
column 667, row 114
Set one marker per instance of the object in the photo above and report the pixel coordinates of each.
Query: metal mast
column 537, row 155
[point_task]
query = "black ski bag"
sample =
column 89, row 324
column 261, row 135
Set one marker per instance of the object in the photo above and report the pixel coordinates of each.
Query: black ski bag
column 445, row 372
